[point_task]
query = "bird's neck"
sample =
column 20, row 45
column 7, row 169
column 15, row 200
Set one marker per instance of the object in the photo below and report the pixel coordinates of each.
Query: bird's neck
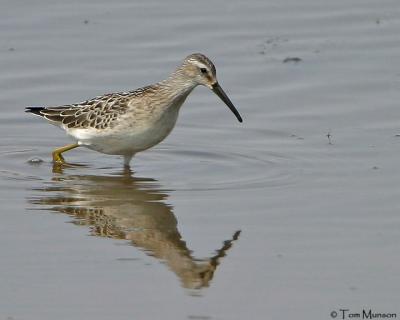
column 177, row 87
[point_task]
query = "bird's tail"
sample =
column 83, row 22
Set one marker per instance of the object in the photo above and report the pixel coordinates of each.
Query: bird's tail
column 34, row 110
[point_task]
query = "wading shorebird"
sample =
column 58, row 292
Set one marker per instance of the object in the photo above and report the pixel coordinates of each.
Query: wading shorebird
column 125, row 123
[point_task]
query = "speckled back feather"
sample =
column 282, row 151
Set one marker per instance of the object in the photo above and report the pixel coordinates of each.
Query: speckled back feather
column 100, row 112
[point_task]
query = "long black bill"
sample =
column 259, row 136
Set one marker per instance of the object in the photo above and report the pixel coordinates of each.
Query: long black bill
column 220, row 93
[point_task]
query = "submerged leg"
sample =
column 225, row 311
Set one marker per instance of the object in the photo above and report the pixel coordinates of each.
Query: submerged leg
column 127, row 160
column 57, row 157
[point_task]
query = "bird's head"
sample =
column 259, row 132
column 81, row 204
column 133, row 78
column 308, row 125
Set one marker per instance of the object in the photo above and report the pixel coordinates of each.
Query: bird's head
column 201, row 71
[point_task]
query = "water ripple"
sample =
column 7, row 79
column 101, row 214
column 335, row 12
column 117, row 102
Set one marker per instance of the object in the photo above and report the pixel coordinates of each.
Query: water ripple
column 201, row 170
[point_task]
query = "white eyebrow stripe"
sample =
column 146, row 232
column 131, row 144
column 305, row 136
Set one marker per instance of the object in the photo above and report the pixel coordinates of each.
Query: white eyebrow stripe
column 198, row 64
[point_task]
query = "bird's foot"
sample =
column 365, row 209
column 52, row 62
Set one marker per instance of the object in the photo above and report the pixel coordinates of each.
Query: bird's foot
column 58, row 158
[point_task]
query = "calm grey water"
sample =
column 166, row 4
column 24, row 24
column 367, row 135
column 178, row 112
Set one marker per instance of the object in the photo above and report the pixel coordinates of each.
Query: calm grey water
column 291, row 215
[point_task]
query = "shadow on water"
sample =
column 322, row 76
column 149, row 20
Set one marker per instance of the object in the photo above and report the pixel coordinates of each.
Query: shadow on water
column 132, row 208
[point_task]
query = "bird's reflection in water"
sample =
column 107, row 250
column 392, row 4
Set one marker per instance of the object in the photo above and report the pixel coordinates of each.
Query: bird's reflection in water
column 127, row 207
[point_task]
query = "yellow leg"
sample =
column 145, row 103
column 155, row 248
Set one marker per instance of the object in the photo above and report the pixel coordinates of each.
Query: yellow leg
column 57, row 157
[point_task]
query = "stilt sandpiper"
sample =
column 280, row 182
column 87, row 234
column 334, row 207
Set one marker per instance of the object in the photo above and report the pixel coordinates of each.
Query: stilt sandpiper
column 125, row 123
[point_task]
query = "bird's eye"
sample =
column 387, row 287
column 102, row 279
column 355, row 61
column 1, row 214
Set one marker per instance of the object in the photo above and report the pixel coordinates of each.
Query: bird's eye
column 203, row 70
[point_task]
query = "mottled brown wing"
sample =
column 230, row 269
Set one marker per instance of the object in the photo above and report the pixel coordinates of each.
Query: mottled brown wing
column 99, row 113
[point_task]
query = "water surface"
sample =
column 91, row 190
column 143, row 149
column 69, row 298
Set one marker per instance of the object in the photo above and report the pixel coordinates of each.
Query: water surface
column 292, row 214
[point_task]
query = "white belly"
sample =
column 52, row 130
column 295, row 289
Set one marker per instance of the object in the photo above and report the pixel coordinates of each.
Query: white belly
column 126, row 139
